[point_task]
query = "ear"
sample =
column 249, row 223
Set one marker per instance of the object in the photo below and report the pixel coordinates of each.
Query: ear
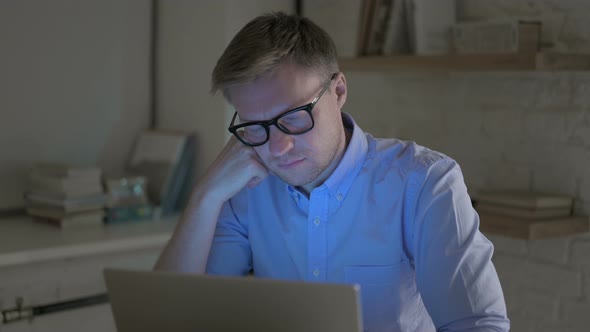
column 341, row 89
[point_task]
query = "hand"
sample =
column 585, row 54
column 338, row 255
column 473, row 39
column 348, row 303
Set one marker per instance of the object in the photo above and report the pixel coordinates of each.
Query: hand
column 236, row 166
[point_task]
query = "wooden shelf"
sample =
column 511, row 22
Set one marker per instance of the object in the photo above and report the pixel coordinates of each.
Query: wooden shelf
column 542, row 61
column 533, row 229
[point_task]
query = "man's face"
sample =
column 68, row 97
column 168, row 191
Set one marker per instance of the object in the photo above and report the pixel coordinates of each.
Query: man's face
column 301, row 160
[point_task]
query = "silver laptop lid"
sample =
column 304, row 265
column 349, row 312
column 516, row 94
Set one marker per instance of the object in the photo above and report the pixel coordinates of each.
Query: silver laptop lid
column 157, row 301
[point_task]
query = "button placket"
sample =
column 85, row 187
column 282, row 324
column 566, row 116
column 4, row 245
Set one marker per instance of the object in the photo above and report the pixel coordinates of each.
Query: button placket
column 317, row 221
column 316, row 273
column 317, row 235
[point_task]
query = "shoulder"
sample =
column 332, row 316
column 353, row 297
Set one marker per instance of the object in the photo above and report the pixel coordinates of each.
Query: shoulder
column 404, row 156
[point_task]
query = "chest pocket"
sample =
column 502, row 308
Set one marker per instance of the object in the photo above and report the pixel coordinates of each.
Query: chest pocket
column 383, row 288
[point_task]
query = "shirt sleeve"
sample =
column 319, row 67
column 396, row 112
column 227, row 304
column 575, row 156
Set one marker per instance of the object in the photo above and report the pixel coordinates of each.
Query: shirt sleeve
column 230, row 253
column 454, row 271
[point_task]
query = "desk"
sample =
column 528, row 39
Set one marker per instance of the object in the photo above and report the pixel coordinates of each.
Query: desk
column 23, row 241
column 42, row 264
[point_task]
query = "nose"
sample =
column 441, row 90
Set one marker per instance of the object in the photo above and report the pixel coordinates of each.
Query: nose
column 279, row 143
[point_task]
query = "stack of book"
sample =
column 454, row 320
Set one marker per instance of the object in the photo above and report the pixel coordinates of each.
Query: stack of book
column 528, row 214
column 64, row 195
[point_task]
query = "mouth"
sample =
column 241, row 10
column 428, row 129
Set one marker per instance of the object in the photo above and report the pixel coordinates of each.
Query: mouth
column 290, row 164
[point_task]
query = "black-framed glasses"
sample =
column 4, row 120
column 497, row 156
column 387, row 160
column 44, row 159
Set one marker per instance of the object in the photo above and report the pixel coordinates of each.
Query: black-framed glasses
column 293, row 122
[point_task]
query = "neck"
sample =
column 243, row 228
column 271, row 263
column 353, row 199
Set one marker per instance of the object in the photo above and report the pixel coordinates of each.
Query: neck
column 306, row 189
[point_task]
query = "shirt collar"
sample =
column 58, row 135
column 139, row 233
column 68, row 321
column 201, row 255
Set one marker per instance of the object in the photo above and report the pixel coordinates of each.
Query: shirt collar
column 341, row 179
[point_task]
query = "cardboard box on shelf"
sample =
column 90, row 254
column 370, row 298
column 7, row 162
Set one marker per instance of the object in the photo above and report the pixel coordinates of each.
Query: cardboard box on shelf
column 498, row 36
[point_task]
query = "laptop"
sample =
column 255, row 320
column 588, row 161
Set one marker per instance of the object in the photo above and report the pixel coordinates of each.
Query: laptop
column 156, row 301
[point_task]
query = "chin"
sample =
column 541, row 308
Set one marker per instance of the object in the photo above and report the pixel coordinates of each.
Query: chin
column 299, row 176
column 297, row 181
column 293, row 181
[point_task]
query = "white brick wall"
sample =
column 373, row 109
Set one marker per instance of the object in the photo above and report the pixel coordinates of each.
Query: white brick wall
column 546, row 283
column 519, row 130
column 576, row 312
column 554, row 251
column 554, row 279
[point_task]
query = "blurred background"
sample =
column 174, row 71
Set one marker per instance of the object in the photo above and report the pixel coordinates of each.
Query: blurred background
column 81, row 81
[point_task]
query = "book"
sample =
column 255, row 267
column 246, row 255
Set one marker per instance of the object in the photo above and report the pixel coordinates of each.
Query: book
column 533, row 229
column 64, row 185
column 379, row 23
column 67, row 205
column 523, row 213
column 56, row 213
column 429, row 25
column 79, row 219
column 62, row 170
column 497, row 36
column 525, row 199
column 182, row 179
column 396, row 33
column 65, row 195
column 365, row 26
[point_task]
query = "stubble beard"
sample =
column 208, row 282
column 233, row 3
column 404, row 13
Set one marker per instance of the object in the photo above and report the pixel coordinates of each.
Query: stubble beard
column 303, row 175
column 316, row 165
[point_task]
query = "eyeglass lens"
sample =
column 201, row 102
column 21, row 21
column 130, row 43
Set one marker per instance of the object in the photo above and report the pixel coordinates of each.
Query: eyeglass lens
column 291, row 123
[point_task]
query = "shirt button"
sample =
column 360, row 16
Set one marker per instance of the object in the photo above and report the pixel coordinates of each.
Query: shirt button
column 316, row 273
column 339, row 197
column 316, row 221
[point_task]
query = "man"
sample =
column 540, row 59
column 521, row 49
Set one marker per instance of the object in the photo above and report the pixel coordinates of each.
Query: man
column 301, row 192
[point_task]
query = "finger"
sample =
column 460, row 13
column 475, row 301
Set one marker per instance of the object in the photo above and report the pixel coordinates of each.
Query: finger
column 260, row 175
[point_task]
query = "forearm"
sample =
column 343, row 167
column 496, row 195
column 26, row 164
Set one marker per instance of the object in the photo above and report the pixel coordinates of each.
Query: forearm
column 190, row 244
column 236, row 167
column 490, row 323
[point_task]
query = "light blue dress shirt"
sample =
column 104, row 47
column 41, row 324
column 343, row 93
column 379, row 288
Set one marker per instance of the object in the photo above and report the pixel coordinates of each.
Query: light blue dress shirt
column 394, row 217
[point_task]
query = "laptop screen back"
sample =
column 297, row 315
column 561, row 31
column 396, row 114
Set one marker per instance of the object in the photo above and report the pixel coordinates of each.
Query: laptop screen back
column 163, row 301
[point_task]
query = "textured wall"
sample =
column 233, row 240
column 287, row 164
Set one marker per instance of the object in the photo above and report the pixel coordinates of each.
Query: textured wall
column 74, row 85
column 546, row 282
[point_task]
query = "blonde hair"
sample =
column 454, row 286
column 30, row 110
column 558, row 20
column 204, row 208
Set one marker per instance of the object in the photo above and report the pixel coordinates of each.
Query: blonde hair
column 268, row 40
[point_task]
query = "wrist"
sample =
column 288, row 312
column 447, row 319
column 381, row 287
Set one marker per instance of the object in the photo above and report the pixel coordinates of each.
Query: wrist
column 205, row 196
